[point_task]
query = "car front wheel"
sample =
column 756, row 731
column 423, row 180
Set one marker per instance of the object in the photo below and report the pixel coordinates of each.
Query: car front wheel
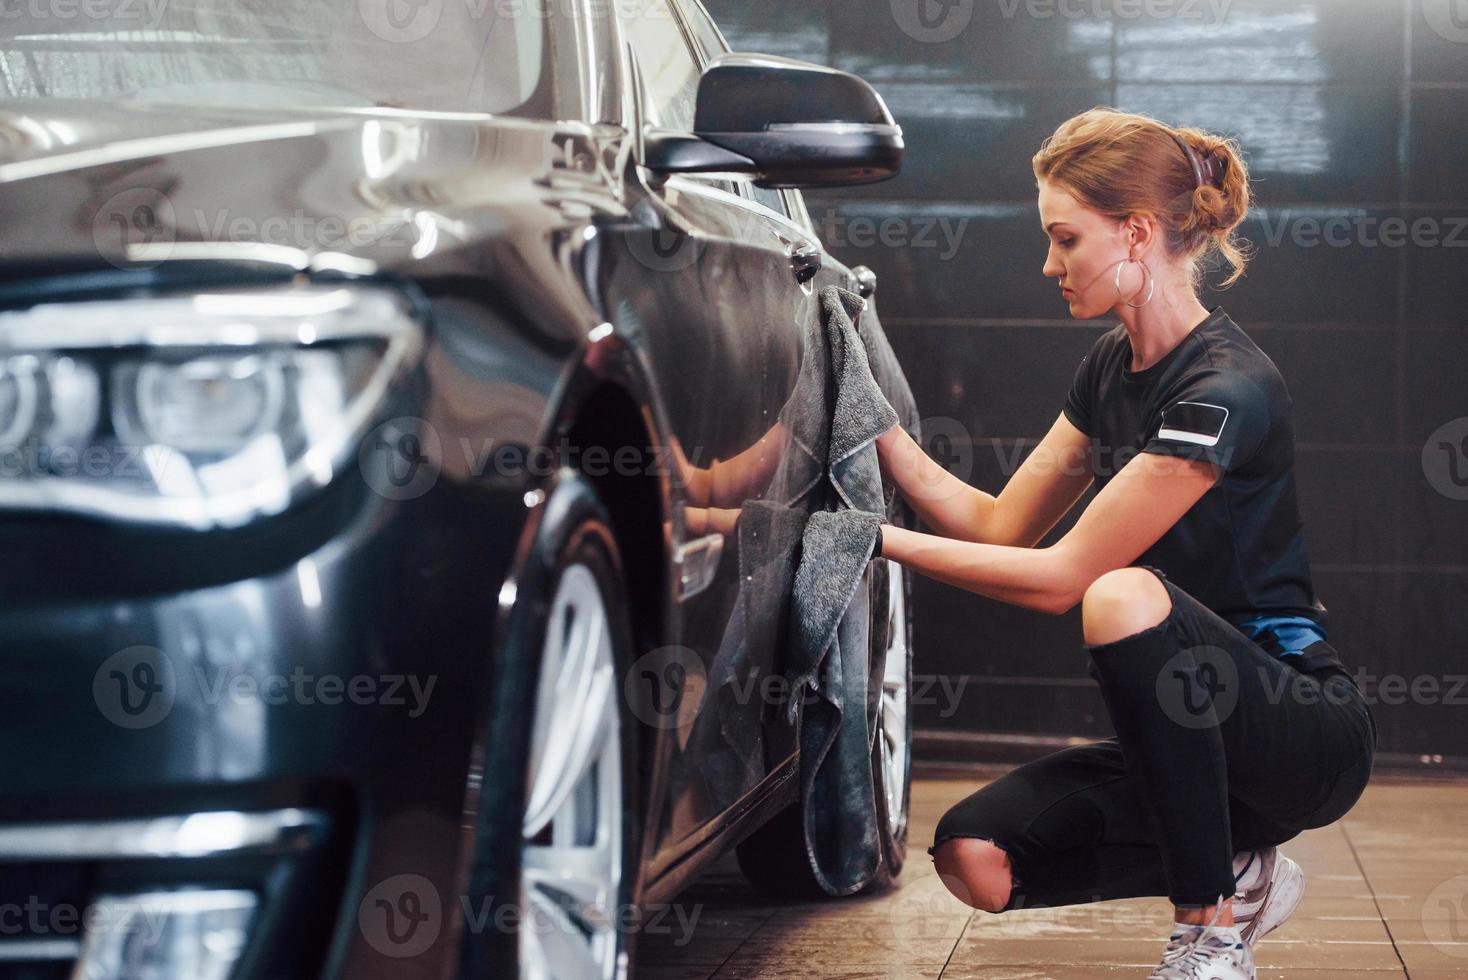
column 555, row 850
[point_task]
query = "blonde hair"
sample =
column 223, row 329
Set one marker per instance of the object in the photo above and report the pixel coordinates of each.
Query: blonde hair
column 1123, row 163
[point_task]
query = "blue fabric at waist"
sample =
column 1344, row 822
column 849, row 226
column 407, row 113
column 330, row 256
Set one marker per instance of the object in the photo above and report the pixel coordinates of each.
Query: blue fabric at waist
column 1295, row 632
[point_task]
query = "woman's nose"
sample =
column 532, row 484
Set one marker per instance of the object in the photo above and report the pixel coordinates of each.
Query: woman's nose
column 1051, row 267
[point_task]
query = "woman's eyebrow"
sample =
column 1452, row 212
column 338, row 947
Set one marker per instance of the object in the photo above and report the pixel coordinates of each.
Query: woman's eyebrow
column 1051, row 225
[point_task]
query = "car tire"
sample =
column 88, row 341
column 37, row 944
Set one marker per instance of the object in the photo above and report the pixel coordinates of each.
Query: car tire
column 773, row 857
column 568, row 765
column 892, row 728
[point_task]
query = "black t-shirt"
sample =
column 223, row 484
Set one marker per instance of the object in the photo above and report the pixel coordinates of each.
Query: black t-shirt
column 1240, row 550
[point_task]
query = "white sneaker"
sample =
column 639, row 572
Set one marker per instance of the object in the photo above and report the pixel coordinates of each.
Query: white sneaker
column 1273, row 898
column 1204, row 953
column 1210, row 952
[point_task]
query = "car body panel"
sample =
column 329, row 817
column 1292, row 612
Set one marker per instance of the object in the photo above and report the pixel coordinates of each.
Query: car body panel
column 545, row 263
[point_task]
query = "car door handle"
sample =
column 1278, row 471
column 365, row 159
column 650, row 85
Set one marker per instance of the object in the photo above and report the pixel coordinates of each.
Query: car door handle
column 805, row 261
column 696, row 562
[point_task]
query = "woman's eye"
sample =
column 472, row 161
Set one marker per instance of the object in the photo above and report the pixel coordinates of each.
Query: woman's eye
column 1065, row 242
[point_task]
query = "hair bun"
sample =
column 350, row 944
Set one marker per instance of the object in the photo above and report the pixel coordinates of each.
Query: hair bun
column 1215, row 166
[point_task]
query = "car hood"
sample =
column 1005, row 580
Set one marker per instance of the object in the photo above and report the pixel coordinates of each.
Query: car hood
column 104, row 184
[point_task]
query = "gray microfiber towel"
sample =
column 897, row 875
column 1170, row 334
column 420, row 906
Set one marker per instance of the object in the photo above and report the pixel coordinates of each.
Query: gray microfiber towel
column 830, row 569
column 887, row 371
column 803, row 608
column 862, row 411
column 727, row 735
column 830, row 643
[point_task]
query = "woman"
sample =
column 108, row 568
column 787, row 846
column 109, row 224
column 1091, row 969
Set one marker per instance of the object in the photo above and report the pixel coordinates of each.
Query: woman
column 1236, row 725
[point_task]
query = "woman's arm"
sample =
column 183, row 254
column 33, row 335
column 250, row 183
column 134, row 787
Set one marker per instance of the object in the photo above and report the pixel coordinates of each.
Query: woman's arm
column 1052, row 478
column 727, row 483
column 1143, row 500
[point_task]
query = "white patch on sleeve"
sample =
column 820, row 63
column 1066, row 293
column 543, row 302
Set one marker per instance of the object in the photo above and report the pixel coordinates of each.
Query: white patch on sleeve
column 1196, row 422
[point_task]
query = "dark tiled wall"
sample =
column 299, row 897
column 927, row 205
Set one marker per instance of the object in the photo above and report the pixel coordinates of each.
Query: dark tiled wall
column 1352, row 114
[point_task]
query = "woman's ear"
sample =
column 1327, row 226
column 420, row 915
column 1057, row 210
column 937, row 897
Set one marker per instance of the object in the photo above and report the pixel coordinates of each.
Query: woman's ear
column 1140, row 230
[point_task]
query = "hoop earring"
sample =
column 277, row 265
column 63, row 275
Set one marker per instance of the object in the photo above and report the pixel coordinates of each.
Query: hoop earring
column 1151, row 282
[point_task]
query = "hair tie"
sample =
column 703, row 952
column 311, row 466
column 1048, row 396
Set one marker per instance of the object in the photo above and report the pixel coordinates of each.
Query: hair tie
column 1213, row 165
column 1192, row 158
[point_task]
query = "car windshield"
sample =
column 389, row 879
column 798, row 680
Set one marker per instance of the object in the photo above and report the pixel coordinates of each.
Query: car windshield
column 443, row 55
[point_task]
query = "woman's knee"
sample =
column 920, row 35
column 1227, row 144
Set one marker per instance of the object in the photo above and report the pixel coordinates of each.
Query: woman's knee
column 1122, row 603
column 976, row 871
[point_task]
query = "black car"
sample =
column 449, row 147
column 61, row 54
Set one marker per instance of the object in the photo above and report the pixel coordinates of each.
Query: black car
column 379, row 384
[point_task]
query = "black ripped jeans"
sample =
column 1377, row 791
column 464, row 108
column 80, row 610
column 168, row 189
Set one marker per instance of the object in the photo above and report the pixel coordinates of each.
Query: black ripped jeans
column 1220, row 746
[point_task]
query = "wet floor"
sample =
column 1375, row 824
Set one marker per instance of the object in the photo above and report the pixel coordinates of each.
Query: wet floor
column 1386, row 896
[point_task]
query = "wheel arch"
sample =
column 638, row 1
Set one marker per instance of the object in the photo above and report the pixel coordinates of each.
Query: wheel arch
column 610, row 402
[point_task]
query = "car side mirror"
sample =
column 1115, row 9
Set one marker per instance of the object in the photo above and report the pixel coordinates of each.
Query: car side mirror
column 788, row 123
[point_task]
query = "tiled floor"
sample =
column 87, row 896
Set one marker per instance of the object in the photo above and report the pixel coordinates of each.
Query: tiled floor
column 1386, row 896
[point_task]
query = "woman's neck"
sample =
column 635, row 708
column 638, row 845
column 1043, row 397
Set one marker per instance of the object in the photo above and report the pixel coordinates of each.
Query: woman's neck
column 1158, row 327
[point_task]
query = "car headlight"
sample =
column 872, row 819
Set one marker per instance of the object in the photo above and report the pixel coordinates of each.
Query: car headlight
column 204, row 410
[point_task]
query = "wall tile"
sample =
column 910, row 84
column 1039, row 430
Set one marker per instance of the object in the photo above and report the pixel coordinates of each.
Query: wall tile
column 1434, row 525
column 792, row 30
column 1434, row 459
column 1340, row 380
column 1437, row 261
column 1278, row 40
column 1362, row 610
column 1350, row 501
column 967, row 140
column 1301, row 143
column 1434, row 624
column 1437, row 382
column 1364, row 607
column 1023, row 709
column 994, row 381
column 981, row 40
column 1439, row 145
column 947, row 258
column 1439, row 41
column 1316, row 265
column 966, row 633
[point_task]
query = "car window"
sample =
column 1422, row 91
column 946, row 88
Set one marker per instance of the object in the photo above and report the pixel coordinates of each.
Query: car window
column 666, row 63
column 795, row 207
column 768, row 196
column 454, row 57
column 705, row 32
